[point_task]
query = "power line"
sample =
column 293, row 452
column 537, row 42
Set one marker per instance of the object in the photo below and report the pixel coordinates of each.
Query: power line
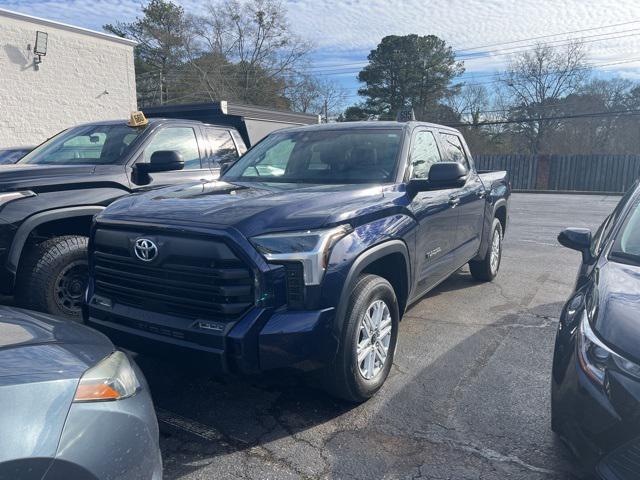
column 462, row 49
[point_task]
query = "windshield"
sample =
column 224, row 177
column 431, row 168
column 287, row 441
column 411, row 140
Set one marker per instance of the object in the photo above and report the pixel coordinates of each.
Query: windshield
column 86, row 145
column 321, row 156
column 627, row 244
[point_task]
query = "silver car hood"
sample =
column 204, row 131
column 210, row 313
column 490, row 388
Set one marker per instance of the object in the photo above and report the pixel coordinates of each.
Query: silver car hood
column 41, row 361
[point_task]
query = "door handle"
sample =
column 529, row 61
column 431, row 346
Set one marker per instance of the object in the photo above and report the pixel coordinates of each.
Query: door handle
column 454, row 201
column 482, row 194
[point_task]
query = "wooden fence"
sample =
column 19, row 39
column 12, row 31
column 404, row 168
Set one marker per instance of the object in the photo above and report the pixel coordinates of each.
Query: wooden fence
column 583, row 173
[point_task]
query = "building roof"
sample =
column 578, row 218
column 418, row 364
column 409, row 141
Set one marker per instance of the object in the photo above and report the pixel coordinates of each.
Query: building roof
column 64, row 26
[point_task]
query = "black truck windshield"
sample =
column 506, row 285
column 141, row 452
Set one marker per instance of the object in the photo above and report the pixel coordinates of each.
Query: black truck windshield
column 331, row 156
column 86, row 145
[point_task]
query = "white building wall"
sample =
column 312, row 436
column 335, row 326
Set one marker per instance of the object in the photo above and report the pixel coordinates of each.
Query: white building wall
column 85, row 76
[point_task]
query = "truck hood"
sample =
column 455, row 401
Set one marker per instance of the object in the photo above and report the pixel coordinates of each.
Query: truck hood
column 617, row 320
column 22, row 176
column 254, row 208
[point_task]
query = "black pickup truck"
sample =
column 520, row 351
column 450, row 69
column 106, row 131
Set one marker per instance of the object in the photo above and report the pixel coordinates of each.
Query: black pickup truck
column 48, row 198
column 304, row 254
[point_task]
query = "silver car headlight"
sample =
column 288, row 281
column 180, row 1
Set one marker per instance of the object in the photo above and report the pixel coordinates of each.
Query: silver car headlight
column 595, row 357
column 311, row 248
column 7, row 197
column 111, row 379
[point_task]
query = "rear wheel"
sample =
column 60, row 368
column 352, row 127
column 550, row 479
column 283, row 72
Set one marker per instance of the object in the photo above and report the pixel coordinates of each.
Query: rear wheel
column 368, row 343
column 486, row 269
column 53, row 277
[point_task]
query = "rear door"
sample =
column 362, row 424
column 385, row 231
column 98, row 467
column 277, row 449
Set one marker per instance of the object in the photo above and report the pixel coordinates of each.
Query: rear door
column 471, row 198
column 437, row 218
column 183, row 139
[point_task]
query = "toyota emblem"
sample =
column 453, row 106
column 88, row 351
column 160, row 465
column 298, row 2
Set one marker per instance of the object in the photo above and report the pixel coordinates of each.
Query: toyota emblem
column 145, row 249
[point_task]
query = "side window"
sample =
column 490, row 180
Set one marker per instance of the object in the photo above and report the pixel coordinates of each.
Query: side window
column 223, row 149
column 424, row 153
column 454, row 148
column 180, row 139
column 242, row 148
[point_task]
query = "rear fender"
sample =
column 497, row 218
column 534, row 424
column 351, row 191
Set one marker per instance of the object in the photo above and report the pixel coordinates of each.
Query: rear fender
column 491, row 208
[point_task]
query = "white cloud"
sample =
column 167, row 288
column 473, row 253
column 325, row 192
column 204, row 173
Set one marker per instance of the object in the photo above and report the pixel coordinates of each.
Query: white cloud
column 345, row 30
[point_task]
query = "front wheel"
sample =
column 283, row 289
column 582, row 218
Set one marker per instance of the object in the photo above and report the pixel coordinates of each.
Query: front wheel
column 53, row 277
column 486, row 269
column 368, row 343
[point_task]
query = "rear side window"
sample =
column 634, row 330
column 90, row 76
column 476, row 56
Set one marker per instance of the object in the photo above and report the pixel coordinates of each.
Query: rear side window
column 424, row 153
column 454, row 148
column 179, row 139
column 223, row 148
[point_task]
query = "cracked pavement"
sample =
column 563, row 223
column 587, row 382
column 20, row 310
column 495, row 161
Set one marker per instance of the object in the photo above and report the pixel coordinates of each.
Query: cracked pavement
column 468, row 397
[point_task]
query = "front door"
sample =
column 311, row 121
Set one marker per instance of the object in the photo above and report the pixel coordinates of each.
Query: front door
column 436, row 215
column 184, row 140
column 471, row 198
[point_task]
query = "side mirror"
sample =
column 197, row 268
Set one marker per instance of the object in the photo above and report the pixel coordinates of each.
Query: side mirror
column 448, row 175
column 577, row 239
column 162, row 161
column 441, row 175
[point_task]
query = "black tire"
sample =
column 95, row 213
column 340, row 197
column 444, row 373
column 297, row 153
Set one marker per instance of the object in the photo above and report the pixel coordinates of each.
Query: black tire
column 344, row 378
column 481, row 269
column 53, row 276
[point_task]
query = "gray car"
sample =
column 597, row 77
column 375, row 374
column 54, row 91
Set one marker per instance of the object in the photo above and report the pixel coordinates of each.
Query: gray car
column 71, row 405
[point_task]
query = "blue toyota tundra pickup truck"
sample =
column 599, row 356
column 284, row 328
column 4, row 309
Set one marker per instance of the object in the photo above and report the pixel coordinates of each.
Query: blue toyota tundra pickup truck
column 304, row 254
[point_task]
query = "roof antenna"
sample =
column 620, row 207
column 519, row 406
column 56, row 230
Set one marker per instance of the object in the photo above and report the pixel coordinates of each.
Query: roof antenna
column 406, row 114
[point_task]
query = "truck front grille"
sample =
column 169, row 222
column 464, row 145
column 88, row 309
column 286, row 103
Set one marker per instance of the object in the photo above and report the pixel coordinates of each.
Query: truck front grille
column 191, row 277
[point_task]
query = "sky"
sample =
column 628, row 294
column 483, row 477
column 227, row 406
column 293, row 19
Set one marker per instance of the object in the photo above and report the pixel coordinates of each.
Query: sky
column 344, row 31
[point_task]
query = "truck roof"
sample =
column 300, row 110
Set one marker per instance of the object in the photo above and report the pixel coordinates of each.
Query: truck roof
column 154, row 121
column 370, row 125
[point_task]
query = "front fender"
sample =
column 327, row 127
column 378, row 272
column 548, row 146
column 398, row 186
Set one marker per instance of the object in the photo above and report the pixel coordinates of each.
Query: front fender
column 352, row 254
column 23, row 232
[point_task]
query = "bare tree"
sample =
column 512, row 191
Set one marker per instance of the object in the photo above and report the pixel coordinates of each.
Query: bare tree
column 470, row 103
column 535, row 82
column 255, row 37
column 324, row 97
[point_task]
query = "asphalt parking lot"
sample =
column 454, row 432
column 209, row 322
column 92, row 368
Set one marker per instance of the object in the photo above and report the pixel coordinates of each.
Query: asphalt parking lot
column 468, row 397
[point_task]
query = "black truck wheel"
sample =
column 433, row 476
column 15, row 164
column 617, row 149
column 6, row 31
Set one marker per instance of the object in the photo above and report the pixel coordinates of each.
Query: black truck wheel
column 368, row 343
column 53, row 276
column 486, row 269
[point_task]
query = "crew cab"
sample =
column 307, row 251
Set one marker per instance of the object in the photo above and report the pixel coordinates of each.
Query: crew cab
column 304, row 254
column 48, row 198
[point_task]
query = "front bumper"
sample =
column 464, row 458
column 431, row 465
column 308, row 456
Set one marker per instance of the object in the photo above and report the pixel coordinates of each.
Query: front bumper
column 117, row 439
column 601, row 423
column 262, row 339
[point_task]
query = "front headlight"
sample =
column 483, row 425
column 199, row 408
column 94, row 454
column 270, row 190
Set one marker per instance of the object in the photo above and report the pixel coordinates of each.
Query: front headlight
column 10, row 196
column 596, row 358
column 311, row 248
column 111, row 379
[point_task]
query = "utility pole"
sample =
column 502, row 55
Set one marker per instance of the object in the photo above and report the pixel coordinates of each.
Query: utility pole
column 160, row 83
column 326, row 111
